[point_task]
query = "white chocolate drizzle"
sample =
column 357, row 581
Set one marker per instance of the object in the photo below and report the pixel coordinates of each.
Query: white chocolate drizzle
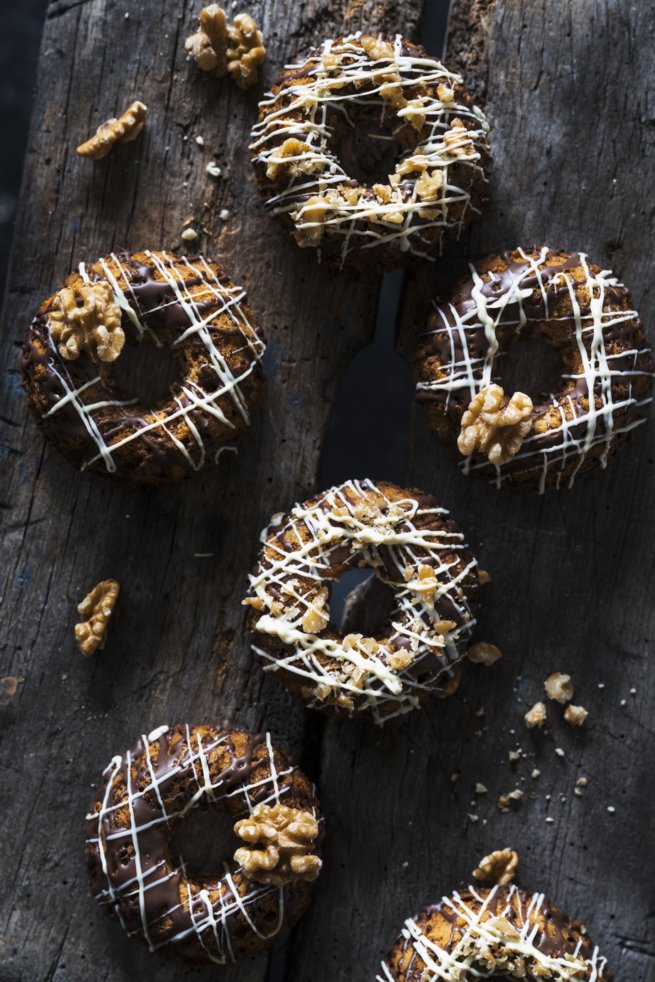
column 188, row 400
column 401, row 539
column 580, row 429
column 343, row 77
column 496, row 940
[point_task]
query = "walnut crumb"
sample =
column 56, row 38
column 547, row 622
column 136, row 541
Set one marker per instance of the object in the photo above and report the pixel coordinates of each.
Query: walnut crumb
column 535, row 716
column 96, row 609
column 498, row 867
column 559, row 687
column 484, row 653
column 87, row 318
column 484, row 577
column 9, row 687
column 222, row 48
column 279, row 845
column 495, row 426
column 510, row 799
column 575, row 715
column 122, row 130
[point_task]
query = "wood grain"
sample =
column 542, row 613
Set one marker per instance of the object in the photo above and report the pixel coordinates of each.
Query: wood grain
column 570, row 89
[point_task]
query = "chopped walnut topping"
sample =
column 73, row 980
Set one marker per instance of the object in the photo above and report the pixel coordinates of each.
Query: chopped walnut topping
column 429, row 185
column 87, row 318
column 559, row 687
column 312, row 214
column 483, row 653
column 495, row 427
column 575, row 715
column 535, row 716
column 415, row 112
column 457, row 140
column 445, row 93
column 122, row 130
column 316, row 617
column 222, row 48
column 376, row 49
column 279, row 845
column 400, row 659
column 445, row 627
column 96, row 609
column 292, row 158
column 498, row 867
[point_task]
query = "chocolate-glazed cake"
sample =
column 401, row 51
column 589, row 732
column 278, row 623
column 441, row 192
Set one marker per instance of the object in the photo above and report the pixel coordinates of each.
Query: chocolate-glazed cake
column 606, row 380
column 398, row 96
column 139, row 298
column 498, row 933
column 413, row 546
column 136, row 876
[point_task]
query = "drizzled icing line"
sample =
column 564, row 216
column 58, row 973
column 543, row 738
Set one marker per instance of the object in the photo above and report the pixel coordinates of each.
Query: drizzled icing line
column 150, row 877
column 589, row 416
column 505, row 936
column 189, row 402
column 340, row 77
column 412, row 548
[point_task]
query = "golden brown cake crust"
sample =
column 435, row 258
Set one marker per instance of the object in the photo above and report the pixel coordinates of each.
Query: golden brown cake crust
column 498, row 932
column 415, row 548
column 136, row 877
column 152, row 297
column 438, row 185
column 574, row 306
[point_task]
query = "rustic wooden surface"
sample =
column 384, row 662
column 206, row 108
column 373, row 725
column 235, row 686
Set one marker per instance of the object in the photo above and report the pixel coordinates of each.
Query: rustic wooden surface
column 571, row 89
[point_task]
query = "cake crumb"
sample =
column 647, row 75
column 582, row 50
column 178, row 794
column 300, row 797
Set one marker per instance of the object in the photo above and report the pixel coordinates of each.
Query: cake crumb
column 535, row 716
column 559, row 687
column 575, row 715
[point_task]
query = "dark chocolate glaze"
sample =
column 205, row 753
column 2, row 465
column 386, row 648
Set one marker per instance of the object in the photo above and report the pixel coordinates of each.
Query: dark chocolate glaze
column 199, row 918
column 442, row 346
column 153, row 456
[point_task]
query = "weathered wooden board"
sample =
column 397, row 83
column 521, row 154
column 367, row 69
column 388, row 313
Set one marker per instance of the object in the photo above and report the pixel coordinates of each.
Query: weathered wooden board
column 570, row 85
column 178, row 649
column 570, row 88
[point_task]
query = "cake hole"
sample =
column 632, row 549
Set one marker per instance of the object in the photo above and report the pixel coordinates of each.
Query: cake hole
column 531, row 366
column 367, row 151
column 372, row 607
column 145, row 372
column 205, row 841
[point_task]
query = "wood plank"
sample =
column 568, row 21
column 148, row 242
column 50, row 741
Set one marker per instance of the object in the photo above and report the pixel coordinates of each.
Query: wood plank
column 572, row 127
column 178, row 650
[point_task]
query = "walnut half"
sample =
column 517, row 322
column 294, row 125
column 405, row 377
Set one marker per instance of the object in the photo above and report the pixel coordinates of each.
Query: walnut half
column 96, row 609
column 495, row 427
column 223, row 48
column 498, row 867
column 279, row 845
column 87, row 318
column 122, row 130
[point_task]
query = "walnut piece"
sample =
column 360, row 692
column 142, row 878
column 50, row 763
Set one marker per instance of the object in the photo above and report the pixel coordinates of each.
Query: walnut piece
column 291, row 159
column 87, row 318
column 122, row 130
column 96, row 609
column 559, row 687
column 498, row 867
column 510, row 799
column 457, row 140
column 483, row 653
column 575, row 715
column 495, row 427
column 279, row 845
column 535, row 716
column 223, row 48
column 9, row 687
